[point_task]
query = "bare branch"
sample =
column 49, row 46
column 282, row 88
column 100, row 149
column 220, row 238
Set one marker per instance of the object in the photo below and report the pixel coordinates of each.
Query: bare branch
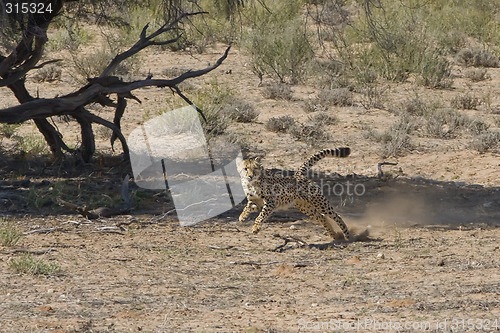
column 187, row 100
column 69, row 104
column 145, row 41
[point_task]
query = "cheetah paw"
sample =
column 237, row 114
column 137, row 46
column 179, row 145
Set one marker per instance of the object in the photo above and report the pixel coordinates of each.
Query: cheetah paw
column 255, row 229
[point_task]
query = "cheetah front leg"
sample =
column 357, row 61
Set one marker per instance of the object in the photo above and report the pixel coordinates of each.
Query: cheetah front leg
column 250, row 207
column 264, row 214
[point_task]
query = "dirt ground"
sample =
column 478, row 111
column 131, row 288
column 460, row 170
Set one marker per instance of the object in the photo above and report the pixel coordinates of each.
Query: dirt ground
column 430, row 263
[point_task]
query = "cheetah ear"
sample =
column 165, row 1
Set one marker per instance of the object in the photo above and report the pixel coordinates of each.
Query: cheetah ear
column 258, row 159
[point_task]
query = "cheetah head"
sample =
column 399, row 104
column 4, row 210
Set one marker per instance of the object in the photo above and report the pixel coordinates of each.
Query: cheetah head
column 250, row 169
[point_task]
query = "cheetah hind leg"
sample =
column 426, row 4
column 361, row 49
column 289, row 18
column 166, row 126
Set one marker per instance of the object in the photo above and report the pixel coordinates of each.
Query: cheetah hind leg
column 326, row 220
column 330, row 215
column 308, row 209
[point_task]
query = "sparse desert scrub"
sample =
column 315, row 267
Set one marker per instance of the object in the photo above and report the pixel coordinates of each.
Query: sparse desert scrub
column 280, row 124
column 415, row 106
column 322, row 118
column 278, row 43
column 486, row 141
column 327, row 98
column 467, row 101
column 8, row 130
column 477, row 74
column 476, row 58
column 445, row 123
column 9, row 235
column 396, row 140
column 277, row 90
column 28, row 264
column 310, row 133
column 48, row 73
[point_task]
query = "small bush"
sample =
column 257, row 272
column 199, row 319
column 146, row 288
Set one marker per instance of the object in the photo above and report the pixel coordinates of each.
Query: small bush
column 435, row 70
column 277, row 90
column 476, row 58
column 328, row 98
column 239, row 111
column 466, row 101
column 395, row 143
column 217, row 122
column 309, row 133
column 212, row 99
column 322, row 118
column 330, row 74
column 48, row 73
column 31, row 144
column 477, row 126
column 8, row 130
column 444, row 123
column 477, row 74
column 92, row 65
column 9, row 236
column 69, row 38
column 486, row 141
column 280, row 124
column 27, row 264
column 415, row 107
column 337, row 97
column 396, row 140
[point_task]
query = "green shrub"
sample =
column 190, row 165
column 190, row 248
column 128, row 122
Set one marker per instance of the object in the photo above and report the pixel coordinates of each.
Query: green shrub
column 31, row 144
column 278, row 44
column 70, row 38
column 8, row 130
column 212, row 100
column 434, row 70
column 27, row 264
column 92, row 65
column 9, row 235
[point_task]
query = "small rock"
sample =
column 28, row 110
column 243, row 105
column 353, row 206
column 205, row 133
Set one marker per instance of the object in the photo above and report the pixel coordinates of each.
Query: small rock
column 380, row 256
column 292, row 227
column 45, row 308
column 354, row 259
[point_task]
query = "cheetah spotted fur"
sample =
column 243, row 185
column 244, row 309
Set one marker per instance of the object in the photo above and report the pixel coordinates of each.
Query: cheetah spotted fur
column 267, row 191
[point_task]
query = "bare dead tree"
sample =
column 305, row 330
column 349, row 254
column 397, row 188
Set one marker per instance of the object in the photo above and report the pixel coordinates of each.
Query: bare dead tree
column 107, row 90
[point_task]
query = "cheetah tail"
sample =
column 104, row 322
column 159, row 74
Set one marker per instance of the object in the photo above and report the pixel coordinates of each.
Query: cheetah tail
column 336, row 152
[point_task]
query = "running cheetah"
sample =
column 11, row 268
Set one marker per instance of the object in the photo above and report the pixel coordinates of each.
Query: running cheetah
column 266, row 191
